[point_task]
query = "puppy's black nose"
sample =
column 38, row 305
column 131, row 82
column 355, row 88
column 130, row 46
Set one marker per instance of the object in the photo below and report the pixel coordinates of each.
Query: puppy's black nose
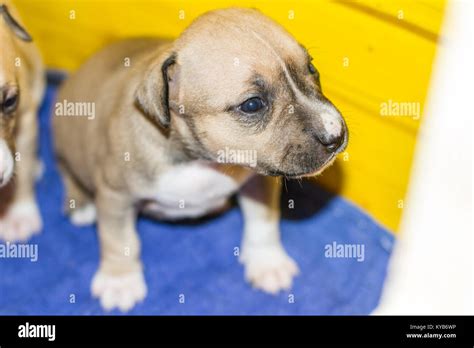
column 333, row 143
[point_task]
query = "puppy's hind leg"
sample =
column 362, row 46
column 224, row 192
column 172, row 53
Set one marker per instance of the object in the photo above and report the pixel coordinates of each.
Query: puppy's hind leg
column 78, row 203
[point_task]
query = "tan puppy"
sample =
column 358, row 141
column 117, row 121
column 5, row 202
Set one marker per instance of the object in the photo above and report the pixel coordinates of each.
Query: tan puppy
column 163, row 124
column 21, row 92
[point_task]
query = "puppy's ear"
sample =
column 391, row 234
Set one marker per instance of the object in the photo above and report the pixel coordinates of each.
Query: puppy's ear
column 14, row 25
column 152, row 95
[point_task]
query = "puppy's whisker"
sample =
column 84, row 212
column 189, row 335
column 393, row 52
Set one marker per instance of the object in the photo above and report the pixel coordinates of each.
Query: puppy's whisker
column 300, row 182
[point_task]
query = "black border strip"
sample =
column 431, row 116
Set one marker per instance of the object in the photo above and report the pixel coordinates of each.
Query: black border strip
column 291, row 330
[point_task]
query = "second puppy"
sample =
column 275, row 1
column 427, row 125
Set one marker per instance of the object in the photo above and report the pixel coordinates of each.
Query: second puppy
column 21, row 92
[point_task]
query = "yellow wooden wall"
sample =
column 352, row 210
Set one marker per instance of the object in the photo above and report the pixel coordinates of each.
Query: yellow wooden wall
column 368, row 52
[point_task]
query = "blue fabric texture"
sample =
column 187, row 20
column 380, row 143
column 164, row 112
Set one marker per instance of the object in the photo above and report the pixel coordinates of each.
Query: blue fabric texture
column 197, row 259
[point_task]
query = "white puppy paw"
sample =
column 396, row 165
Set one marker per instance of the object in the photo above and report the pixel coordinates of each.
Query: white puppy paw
column 121, row 292
column 21, row 222
column 83, row 216
column 269, row 268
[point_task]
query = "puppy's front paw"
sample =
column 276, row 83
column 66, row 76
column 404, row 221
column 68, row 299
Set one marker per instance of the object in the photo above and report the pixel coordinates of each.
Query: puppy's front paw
column 21, row 221
column 269, row 268
column 83, row 216
column 121, row 292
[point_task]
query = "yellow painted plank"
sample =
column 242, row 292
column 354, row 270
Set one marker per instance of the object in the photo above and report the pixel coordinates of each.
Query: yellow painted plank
column 369, row 53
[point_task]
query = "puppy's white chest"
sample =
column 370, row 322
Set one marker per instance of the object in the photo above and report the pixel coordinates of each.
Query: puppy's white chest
column 190, row 190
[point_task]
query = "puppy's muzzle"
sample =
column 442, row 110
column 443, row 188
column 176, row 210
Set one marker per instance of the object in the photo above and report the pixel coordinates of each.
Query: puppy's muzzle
column 333, row 135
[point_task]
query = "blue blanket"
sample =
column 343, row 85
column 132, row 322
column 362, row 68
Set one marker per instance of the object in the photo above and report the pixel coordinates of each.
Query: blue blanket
column 197, row 259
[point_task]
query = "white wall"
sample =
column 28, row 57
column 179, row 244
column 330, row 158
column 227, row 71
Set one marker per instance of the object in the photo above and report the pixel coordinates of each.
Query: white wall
column 431, row 271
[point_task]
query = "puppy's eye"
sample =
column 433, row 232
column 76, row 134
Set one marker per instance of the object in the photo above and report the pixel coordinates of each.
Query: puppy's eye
column 252, row 105
column 312, row 69
column 10, row 104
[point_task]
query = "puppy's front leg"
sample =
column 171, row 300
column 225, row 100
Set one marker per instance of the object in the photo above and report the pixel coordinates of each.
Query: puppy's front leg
column 267, row 265
column 119, row 282
column 22, row 219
